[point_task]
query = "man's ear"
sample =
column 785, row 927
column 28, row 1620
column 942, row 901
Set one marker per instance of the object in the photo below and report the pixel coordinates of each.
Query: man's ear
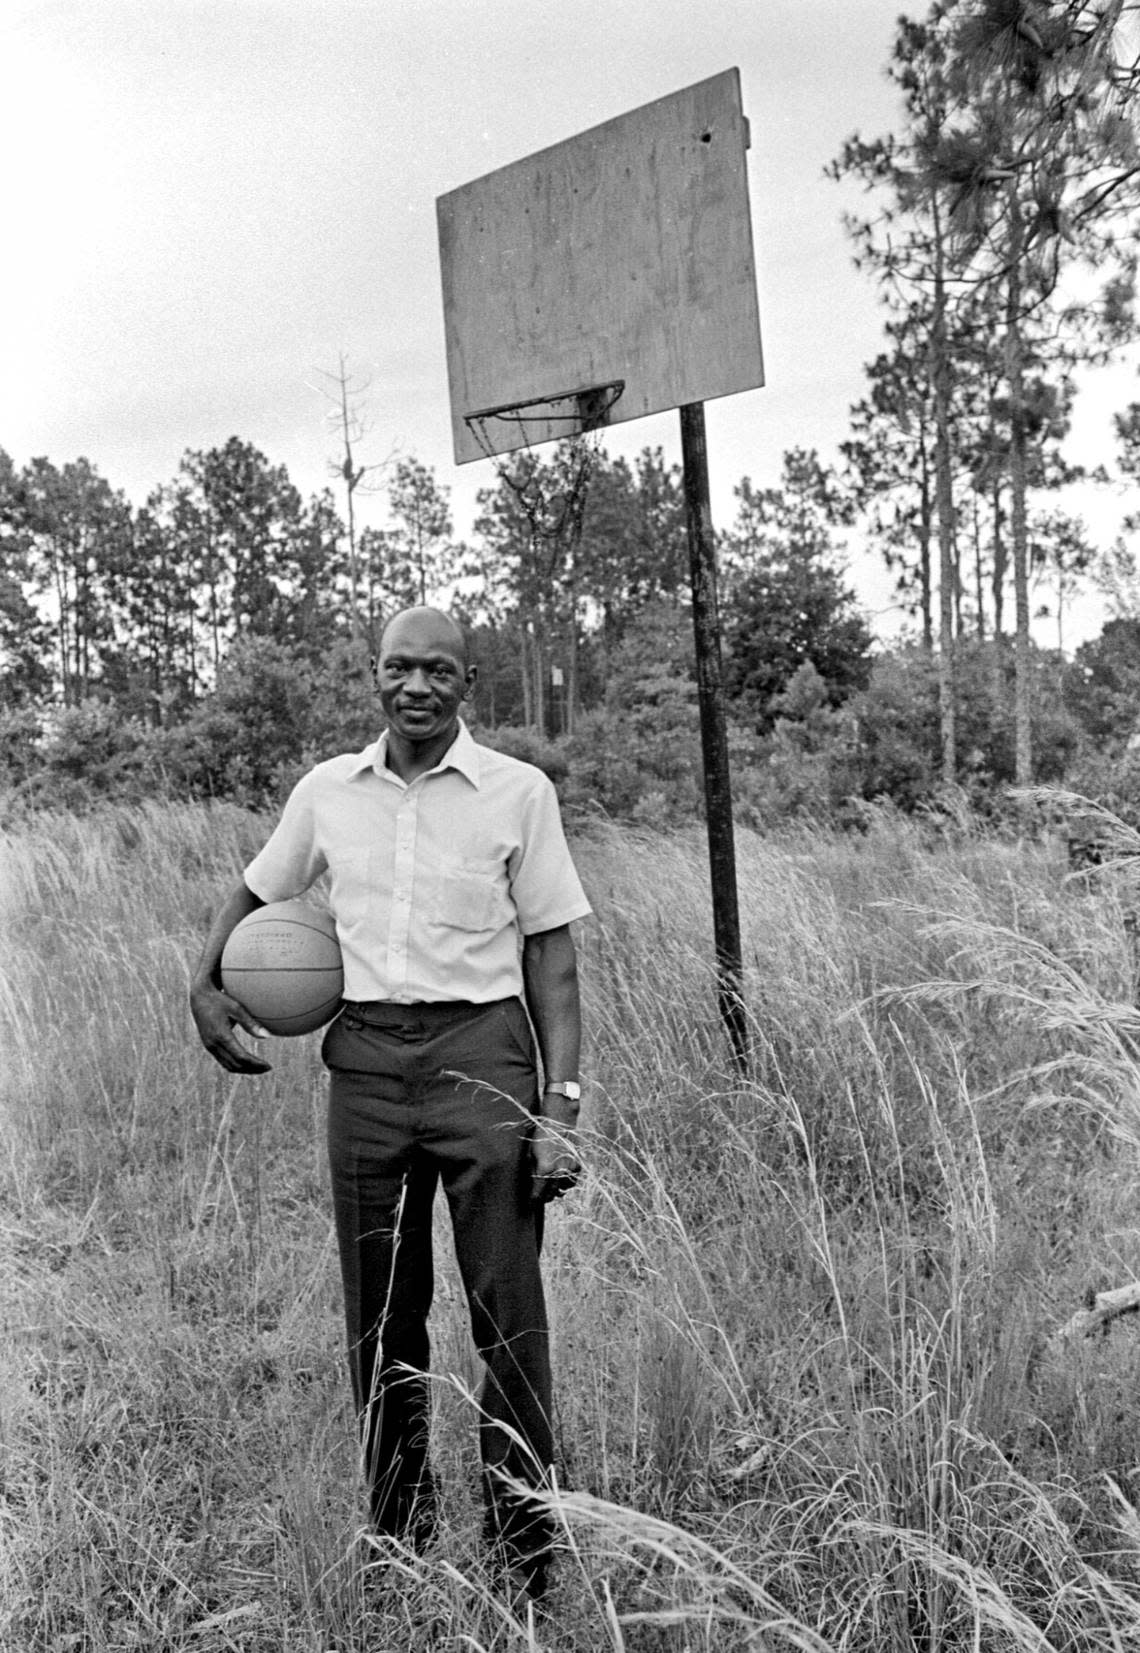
column 469, row 682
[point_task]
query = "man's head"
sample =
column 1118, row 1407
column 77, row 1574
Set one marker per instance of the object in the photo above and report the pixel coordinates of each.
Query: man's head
column 423, row 674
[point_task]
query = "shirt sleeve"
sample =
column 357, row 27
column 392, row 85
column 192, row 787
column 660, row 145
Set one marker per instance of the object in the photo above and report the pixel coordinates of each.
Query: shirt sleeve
column 545, row 886
column 292, row 859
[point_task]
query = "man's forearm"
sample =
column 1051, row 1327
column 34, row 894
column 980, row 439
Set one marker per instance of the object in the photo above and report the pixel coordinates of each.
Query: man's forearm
column 216, row 1013
column 240, row 902
column 550, row 976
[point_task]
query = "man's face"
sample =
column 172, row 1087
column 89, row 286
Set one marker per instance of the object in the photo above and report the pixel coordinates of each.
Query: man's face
column 422, row 678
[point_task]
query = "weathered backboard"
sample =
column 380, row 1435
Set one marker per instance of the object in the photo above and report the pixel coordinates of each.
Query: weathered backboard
column 622, row 257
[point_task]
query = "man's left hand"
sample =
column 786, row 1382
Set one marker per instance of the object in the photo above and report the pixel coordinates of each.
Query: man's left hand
column 555, row 1166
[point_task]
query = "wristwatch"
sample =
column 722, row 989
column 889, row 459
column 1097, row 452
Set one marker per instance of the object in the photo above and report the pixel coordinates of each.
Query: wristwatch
column 569, row 1088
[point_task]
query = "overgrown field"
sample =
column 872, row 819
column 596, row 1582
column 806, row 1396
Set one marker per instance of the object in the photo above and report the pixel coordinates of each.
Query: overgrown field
column 811, row 1392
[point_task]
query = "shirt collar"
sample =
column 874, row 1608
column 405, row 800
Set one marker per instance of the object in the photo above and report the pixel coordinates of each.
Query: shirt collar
column 462, row 754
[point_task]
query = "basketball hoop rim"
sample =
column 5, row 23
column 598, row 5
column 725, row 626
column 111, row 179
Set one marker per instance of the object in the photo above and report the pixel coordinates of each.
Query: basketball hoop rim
column 587, row 416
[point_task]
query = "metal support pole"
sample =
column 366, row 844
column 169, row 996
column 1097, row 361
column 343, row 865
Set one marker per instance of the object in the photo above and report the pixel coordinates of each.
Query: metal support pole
column 714, row 737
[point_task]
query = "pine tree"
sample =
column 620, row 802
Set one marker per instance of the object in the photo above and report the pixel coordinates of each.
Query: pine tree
column 75, row 525
column 1044, row 162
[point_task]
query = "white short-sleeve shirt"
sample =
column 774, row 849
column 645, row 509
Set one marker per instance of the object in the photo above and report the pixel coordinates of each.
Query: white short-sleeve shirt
column 433, row 883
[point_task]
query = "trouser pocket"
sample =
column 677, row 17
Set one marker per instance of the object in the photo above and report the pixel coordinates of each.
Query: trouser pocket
column 352, row 1047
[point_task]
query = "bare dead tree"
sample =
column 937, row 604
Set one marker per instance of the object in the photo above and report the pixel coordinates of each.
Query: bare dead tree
column 347, row 419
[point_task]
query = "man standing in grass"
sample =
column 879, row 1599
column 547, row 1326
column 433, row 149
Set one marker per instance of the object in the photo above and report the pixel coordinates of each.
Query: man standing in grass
column 453, row 892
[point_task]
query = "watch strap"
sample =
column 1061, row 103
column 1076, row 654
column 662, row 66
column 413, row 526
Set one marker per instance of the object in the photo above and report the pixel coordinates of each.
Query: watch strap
column 569, row 1088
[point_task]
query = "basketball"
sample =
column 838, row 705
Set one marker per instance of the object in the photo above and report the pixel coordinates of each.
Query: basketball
column 283, row 964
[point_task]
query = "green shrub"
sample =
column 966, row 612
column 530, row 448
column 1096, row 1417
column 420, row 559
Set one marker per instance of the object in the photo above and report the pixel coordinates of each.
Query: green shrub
column 806, row 766
column 896, row 717
column 271, row 716
column 1109, row 778
column 89, row 754
column 20, row 732
column 529, row 746
column 1102, row 683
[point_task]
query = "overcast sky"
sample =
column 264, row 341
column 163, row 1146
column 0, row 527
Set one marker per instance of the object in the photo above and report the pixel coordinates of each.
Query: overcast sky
column 208, row 201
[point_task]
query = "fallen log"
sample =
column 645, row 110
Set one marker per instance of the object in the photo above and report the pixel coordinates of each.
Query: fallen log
column 1100, row 1311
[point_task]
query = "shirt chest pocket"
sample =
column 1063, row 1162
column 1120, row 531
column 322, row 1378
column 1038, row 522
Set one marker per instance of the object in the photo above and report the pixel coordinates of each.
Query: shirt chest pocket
column 471, row 895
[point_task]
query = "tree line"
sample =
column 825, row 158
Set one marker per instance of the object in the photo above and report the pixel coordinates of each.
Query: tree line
column 140, row 607
column 1000, row 231
column 214, row 640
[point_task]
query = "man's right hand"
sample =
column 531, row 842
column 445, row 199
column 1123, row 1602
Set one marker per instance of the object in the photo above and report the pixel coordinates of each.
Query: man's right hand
column 216, row 1015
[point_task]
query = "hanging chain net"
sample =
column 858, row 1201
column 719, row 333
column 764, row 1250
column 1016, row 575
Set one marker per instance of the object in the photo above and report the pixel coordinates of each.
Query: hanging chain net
column 551, row 498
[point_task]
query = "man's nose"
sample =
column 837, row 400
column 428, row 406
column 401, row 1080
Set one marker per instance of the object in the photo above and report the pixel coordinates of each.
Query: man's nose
column 416, row 682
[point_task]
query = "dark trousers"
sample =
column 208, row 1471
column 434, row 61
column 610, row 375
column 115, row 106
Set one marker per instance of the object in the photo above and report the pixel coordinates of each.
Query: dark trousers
column 421, row 1094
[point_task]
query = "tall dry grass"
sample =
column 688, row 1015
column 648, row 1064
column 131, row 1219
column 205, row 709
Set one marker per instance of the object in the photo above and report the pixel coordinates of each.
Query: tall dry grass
column 809, row 1391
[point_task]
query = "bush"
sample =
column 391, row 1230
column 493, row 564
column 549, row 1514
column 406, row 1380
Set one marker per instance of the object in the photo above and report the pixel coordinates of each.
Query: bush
column 899, row 739
column 529, row 746
column 638, row 756
column 630, row 767
column 1102, row 684
column 1110, row 779
column 896, row 718
column 88, row 754
column 807, row 766
column 272, row 715
column 20, row 733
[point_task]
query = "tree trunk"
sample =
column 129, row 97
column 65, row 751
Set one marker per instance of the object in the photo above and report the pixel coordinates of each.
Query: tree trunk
column 571, row 702
column 215, row 607
column 925, row 535
column 1022, row 664
column 570, row 687
column 525, row 657
column 421, row 566
column 351, row 475
column 82, row 624
column 190, row 640
column 944, row 495
column 997, row 582
column 1062, row 592
column 978, row 582
column 539, row 663
column 63, row 624
column 353, row 561
column 538, row 655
